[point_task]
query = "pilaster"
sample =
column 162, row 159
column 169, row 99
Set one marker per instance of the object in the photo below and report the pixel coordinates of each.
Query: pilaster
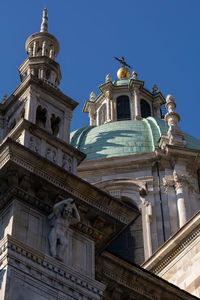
column 137, row 104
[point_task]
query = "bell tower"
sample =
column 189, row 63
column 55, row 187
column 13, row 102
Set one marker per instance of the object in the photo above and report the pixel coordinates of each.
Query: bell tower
column 52, row 223
column 38, row 115
column 42, row 48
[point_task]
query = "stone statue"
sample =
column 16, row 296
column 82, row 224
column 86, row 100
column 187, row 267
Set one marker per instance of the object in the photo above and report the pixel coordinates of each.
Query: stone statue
column 64, row 214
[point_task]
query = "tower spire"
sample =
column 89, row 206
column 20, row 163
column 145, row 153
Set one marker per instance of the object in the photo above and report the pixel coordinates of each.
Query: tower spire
column 44, row 25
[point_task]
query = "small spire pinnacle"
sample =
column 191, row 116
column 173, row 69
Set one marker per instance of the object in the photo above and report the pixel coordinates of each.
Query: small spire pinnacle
column 44, row 25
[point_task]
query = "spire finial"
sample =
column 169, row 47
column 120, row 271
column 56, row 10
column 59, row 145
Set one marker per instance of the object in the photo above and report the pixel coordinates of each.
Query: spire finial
column 44, row 25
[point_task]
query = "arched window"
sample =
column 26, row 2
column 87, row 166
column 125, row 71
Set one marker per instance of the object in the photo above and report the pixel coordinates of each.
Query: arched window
column 102, row 115
column 41, row 116
column 129, row 244
column 123, row 108
column 145, row 109
column 55, row 121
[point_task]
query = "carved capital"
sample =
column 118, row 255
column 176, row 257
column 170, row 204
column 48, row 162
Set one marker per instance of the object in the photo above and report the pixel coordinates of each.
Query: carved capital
column 168, row 182
column 182, row 180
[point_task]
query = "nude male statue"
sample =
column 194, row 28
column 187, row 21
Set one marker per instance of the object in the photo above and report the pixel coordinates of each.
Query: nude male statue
column 64, row 214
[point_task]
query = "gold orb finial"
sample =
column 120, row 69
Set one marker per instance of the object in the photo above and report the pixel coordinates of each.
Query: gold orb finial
column 123, row 73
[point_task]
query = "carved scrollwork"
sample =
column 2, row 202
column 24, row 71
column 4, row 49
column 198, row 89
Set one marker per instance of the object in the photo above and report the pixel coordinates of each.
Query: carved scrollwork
column 181, row 180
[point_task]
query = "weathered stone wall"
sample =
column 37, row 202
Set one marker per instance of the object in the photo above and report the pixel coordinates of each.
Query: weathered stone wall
column 183, row 271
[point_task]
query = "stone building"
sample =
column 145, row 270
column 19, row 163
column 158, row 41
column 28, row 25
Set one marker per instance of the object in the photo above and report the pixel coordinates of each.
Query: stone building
column 68, row 236
column 138, row 154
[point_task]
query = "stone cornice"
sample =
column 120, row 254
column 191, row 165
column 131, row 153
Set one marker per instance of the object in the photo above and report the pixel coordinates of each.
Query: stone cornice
column 134, row 160
column 176, row 244
column 177, row 151
column 98, row 235
column 135, row 280
column 117, row 214
column 31, row 80
column 19, row 255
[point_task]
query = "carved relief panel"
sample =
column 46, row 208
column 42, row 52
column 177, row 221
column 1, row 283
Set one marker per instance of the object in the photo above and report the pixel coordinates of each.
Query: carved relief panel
column 51, row 153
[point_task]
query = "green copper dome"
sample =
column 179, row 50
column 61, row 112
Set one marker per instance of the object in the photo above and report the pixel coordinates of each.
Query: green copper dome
column 123, row 138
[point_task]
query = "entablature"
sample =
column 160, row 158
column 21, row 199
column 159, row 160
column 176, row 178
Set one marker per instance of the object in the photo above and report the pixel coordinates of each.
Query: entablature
column 100, row 212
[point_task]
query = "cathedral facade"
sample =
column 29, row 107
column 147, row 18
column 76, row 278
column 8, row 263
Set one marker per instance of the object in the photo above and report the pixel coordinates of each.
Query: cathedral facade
column 110, row 213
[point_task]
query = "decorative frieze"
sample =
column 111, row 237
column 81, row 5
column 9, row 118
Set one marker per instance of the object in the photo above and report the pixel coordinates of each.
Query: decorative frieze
column 133, row 281
column 171, row 256
column 67, row 162
column 34, row 144
column 51, row 153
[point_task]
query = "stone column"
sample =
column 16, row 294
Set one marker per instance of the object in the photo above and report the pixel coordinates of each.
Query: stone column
column 137, row 104
column 34, row 49
column 92, row 117
column 181, row 183
column 169, row 184
column 112, row 110
column 146, row 208
column 109, row 104
column 156, row 108
column 31, row 106
column 108, row 109
column 97, row 117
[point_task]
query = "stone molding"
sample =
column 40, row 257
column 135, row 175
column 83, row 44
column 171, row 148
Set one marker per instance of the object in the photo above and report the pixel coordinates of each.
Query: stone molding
column 132, row 279
column 42, row 134
column 14, row 152
column 91, row 232
column 61, row 184
column 31, row 80
column 175, row 252
column 170, row 251
column 18, row 255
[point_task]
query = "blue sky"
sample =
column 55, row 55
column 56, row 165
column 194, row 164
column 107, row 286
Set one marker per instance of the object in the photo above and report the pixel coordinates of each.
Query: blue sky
column 159, row 39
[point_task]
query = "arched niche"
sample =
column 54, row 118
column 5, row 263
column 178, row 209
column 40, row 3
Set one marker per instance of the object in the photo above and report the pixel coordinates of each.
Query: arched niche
column 145, row 108
column 123, row 108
